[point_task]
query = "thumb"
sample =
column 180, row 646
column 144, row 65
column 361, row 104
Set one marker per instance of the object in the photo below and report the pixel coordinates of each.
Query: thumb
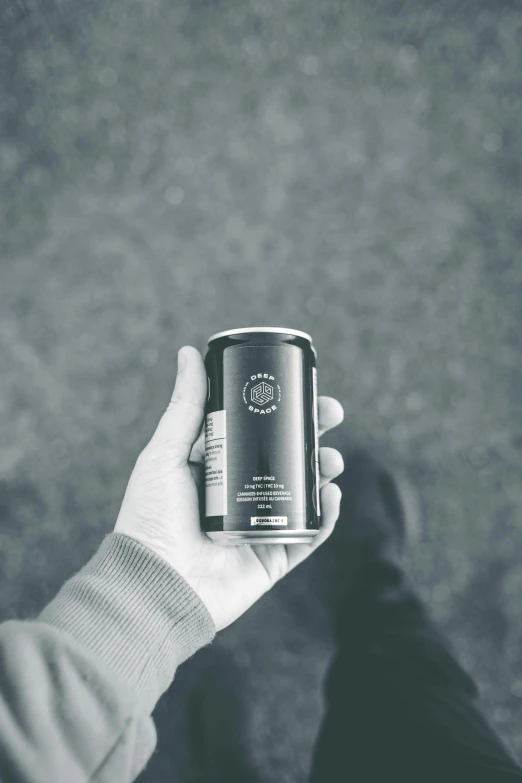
column 180, row 425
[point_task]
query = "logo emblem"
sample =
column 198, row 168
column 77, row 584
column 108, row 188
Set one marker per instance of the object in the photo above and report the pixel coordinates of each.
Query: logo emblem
column 261, row 393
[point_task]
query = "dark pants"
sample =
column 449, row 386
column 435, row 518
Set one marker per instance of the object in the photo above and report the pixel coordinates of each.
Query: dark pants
column 398, row 705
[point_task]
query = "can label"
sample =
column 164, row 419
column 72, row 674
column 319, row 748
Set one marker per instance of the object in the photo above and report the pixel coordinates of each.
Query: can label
column 216, row 464
column 257, row 468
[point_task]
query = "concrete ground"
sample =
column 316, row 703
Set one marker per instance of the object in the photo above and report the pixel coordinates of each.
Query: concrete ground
column 352, row 169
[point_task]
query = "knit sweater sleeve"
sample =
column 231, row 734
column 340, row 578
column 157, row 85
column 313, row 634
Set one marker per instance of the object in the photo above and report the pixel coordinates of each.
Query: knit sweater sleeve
column 80, row 681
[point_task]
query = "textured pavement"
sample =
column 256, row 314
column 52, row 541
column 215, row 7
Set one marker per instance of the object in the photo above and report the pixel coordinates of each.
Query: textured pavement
column 352, row 169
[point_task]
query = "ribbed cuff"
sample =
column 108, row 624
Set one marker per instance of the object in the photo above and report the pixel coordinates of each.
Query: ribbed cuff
column 135, row 612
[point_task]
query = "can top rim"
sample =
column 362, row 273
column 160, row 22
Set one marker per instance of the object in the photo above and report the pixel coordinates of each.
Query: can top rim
column 261, row 329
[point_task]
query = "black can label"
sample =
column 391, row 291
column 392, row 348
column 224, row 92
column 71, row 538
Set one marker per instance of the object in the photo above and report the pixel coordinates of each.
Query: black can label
column 255, row 457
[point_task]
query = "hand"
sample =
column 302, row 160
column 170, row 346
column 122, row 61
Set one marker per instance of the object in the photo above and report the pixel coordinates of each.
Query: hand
column 161, row 507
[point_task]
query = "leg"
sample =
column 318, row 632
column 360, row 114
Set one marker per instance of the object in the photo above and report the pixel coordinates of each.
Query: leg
column 398, row 705
column 217, row 723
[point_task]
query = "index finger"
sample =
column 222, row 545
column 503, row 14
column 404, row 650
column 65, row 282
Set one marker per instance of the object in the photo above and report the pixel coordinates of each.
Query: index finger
column 331, row 413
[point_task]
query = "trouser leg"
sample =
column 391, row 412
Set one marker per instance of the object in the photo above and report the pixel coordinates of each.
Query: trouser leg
column 399, row 707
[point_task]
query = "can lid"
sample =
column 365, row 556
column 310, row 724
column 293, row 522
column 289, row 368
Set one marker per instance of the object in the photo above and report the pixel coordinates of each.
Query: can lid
column 261, row 329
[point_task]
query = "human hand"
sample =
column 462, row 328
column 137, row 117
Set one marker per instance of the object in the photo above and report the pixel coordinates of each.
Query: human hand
column 161, row 506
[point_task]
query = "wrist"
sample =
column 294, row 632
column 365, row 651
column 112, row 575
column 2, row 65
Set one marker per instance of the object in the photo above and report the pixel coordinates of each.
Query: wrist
column 135, row 612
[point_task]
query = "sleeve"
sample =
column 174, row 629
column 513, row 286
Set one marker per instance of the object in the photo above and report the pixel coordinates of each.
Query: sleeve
column 78, row 683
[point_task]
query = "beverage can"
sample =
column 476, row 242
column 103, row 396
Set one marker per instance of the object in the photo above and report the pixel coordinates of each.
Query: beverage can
column 261, row 437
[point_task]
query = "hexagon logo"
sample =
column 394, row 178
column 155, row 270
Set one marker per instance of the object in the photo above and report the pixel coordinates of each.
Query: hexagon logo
column 262, row 393
column 263, row 398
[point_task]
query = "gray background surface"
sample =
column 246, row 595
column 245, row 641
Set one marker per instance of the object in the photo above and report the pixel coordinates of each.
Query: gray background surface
column 352, row 169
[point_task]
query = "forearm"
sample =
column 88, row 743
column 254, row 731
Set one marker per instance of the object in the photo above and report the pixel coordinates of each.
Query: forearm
column 80, row 681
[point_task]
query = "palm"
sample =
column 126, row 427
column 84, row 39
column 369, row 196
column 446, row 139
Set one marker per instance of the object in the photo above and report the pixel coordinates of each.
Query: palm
column 242, row 572
column 230, row 579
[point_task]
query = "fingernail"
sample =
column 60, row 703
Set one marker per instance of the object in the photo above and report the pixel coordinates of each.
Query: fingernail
column 181, row 359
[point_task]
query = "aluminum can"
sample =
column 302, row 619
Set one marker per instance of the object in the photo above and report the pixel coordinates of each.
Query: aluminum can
column 261, row 437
